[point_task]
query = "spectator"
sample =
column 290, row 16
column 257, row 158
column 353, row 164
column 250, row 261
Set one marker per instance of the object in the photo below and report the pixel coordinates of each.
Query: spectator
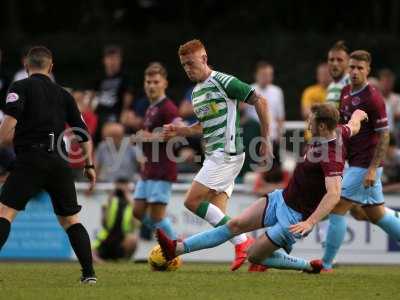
column 392, row 100
column 316, row 93
column 373, row 81
column 4, row 83
column 115, row 156
column 391, row 168
column 75, row 152
column 251, row 130
column 21, row 73
column 264, row 76
column 82, row 99
column 117, row 238
column 114, row 91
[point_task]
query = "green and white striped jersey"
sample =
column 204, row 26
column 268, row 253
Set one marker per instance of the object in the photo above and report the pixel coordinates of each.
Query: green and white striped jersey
column 216, row 105
column 334, row 90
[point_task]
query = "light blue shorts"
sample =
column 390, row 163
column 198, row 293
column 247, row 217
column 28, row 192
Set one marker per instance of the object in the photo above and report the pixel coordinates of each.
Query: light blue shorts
column 277, row 218
column 354, row 190
column 153, row 191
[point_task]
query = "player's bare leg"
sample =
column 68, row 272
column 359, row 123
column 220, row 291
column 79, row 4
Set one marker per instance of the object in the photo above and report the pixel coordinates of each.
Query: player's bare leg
column 211, row 206
column 80, row 242
column 7, row 215
column 358, row 213
column 140, row 209
column 140, row 213
column 250, row 219
column 220, row 200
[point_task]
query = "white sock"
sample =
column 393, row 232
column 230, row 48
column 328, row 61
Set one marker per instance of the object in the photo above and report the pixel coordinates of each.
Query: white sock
column 215, row 217
column 241, row 238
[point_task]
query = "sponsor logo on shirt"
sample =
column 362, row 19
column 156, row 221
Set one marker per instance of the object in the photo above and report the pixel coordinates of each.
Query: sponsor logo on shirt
column 12, row 97
column 206, row 110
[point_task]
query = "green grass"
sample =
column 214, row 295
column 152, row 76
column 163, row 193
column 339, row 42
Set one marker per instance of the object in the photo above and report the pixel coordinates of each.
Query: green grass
column 194, row 281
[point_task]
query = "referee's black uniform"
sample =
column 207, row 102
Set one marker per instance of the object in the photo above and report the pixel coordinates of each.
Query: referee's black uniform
column 41, row 110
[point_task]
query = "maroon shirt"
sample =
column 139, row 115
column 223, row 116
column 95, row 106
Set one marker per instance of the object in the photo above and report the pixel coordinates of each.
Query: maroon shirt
column 161, row 167
column 306, row 188
column 361, row 147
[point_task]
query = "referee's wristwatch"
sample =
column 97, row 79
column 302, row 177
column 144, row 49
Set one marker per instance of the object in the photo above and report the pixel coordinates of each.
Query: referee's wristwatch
column 89, row 167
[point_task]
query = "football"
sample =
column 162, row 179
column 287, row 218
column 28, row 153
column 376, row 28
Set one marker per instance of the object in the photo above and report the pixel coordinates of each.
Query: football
column 157, row 261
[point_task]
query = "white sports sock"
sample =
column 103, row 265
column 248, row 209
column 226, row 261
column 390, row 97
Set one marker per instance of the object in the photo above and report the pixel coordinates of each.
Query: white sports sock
column 215, row 217
column 241, row 238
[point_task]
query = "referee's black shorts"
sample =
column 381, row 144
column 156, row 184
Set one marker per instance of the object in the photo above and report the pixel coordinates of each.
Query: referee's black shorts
column 37, row 170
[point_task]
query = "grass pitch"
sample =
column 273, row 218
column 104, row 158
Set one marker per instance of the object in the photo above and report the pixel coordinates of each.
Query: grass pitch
column 194, row 281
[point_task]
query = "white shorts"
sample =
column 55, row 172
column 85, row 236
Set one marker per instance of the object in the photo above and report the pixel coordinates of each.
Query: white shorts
column 219, row 171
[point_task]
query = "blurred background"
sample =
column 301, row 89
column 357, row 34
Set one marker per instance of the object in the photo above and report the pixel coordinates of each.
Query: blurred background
column 101, row 49
column 293, row 35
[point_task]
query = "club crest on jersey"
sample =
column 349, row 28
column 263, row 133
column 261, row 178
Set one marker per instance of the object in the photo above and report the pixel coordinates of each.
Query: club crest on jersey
column 355, row 101
column 12, row 97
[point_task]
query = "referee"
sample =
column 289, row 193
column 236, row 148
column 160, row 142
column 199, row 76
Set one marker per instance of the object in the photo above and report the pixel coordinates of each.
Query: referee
column 36, row 113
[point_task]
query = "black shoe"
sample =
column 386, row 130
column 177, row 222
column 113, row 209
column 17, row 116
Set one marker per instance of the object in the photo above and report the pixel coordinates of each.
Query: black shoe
column 89, row 279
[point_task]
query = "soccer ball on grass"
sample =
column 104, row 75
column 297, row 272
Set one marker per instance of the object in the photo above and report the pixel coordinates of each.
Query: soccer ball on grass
column 157, row 261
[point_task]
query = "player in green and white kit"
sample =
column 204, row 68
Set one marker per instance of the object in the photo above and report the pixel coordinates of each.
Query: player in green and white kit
column 338, row 64
column 215, row 100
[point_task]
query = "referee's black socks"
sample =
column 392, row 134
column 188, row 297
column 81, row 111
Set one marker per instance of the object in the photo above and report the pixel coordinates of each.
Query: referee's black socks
column 80, row 242
column 4, row 231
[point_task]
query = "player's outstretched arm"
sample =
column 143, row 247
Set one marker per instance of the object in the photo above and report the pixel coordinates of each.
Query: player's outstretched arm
column 173, row 130
column 328, row 202
column 261, row 106
column 355, row 122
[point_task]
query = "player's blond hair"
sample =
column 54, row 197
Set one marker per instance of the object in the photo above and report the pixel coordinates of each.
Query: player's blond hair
column 361, row 55
column 191, row 47
column 340, row 46
column 155, row 68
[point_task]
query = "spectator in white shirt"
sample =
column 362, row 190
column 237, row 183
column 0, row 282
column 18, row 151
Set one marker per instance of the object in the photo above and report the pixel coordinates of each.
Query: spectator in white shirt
column 392, row 100
column 264, row 76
